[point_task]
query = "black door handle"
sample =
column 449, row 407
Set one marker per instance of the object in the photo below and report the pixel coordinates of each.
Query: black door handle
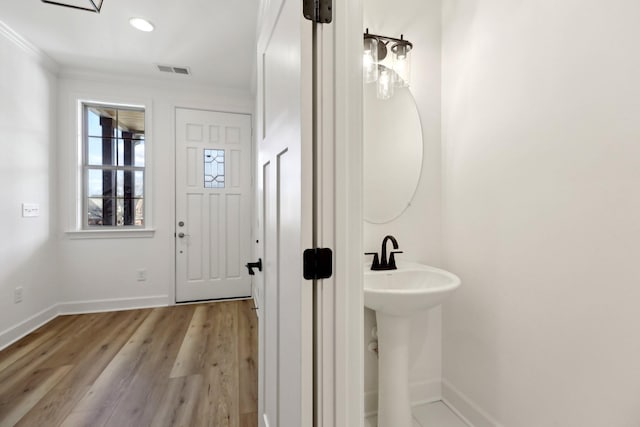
column 250, row 266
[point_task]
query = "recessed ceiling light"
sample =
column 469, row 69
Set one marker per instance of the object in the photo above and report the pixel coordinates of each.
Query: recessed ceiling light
column 141, row 24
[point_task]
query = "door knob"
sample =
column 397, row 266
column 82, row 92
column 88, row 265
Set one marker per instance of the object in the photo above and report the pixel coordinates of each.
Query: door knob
column 250, row 266
column 181, row 235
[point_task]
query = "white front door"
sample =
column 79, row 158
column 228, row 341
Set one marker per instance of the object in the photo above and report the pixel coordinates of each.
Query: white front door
column 213, row 204
column 285, row 193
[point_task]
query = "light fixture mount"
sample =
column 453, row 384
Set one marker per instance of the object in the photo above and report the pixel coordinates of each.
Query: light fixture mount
column 396, row 44
column 387, row 73
column 88, row 5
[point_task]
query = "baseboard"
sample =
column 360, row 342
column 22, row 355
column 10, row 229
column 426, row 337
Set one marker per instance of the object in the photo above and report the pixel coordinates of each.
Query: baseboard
column 419, row 393
column 465, row 408
column 14, row 333
column 115, row 304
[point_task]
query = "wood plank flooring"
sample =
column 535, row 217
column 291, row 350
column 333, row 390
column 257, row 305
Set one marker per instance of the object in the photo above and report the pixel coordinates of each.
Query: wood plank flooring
column 186, row 365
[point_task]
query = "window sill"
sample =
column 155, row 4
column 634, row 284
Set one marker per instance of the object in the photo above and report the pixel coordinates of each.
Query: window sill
column 111, row 234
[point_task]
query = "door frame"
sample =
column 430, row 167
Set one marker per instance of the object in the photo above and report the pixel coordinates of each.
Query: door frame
column 339, row 149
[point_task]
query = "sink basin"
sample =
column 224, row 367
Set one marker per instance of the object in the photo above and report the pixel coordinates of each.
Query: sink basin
column 412, row 287
column 395, row 295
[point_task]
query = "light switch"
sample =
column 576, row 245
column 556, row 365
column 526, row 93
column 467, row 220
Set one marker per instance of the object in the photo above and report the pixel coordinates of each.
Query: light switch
column 30, row 210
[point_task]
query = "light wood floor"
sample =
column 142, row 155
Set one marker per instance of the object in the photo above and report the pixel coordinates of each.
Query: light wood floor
column 186, row 365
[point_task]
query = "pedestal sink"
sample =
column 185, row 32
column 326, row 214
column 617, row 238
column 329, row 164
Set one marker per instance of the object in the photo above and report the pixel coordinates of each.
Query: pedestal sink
column 395, row 295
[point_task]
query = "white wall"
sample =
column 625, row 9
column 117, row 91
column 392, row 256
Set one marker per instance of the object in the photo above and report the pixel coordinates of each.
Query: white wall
column 27, row 174
column 418, row 230
column 101, row 273
column 541, row 137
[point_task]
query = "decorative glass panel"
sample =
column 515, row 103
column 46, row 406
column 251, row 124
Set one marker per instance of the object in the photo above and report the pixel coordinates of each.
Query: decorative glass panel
column 213, row 168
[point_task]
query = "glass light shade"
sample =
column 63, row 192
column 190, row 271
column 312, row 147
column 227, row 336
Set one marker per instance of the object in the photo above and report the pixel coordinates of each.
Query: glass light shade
column 370, row 60
column 385, row 83
column 401, row 64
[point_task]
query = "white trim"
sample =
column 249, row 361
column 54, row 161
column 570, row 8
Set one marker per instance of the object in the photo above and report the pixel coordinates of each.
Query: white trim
column 465, row 408
column 343, row 73
column 111, row 234
column 22, row 329
column 17, row 332
column 46, row 61
column 113, row 304
column 75, row 206
column 420, row 394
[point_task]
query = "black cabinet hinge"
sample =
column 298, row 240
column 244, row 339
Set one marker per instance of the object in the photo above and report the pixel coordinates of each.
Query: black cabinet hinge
column 317, row 263
column 320, row 11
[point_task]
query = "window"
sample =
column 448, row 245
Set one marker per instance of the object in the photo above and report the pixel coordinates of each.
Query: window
column 213, row 168
column 113, row 152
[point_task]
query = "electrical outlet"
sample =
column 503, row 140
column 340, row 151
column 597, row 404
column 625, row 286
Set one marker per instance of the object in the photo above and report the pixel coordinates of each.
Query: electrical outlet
column 141, row 275
column 17, row 294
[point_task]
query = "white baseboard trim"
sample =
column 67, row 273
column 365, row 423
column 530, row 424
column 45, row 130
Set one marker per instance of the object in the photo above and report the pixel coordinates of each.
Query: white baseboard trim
column 14, row 333
column 465, row 408
column 114, row 304
column 419, row 393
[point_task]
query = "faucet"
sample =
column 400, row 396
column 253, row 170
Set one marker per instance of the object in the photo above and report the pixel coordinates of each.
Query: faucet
column 382, row 264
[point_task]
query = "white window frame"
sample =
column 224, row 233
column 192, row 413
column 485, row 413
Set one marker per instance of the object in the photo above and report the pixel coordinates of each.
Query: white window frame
column 80, row 229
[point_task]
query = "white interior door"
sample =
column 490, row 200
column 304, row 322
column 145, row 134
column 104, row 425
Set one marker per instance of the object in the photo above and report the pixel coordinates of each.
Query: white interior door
column 213, row 204
column 285, row 214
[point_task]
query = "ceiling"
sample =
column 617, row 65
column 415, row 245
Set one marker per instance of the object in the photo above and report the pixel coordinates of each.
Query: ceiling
column 214, row 38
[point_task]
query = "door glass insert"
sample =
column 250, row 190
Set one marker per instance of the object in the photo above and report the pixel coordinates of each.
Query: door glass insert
column 213, row 168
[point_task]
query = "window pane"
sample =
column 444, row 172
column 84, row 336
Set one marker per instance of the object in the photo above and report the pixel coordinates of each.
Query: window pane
column 130, row 152
column 130, row 211
column 120, row 212
column 131, row 121
column 139, row 153
column 101, row 151
column 139, row 184
column 94, row 212
column 120, row 184
column 139, row 214
column 101, row 183
column 101, row 121
column 213, row 168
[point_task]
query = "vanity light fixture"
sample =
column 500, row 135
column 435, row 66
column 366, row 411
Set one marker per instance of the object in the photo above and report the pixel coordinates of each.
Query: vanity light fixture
column 89, row 5
column 377, row 67
column 141, row 24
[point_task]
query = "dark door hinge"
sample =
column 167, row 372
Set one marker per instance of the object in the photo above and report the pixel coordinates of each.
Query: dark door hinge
column 320, row 11
column 317, row 263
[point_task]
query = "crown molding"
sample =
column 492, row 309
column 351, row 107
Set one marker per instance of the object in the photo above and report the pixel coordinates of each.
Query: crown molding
column 26, row 46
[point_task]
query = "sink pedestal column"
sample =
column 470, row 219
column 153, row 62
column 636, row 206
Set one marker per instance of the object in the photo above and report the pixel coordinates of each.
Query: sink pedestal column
column 394, row 405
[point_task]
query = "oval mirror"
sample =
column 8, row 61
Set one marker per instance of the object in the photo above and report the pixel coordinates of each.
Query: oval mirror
column 392, row 154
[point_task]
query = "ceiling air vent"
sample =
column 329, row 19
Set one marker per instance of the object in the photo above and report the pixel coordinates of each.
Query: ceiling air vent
column 174, row 70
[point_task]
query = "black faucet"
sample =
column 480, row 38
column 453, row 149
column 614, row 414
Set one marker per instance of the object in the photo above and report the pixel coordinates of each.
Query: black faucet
column 382, row 264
